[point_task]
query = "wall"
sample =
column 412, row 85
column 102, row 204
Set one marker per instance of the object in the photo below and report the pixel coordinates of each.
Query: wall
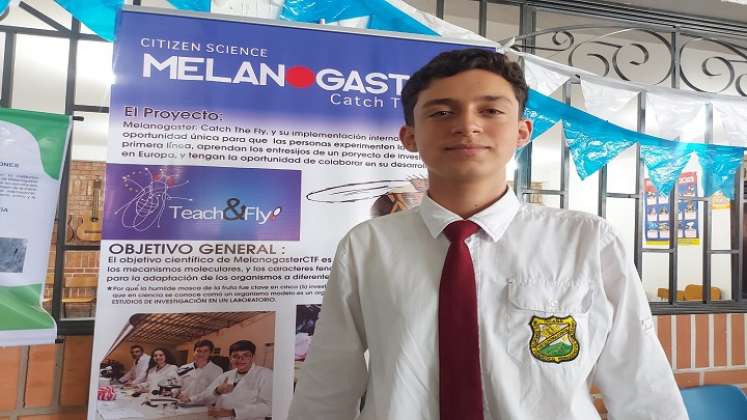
column 48, row 382
column 122, row 352
column 260, row 330
column 78, row 264
column 703, row 349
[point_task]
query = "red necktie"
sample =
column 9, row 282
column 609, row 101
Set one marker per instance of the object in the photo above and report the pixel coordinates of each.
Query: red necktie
column 458, row 337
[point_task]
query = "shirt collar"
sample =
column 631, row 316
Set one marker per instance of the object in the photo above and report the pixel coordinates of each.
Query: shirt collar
column 493, row 220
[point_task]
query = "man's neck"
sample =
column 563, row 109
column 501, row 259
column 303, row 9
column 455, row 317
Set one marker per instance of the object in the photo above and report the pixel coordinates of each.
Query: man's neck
column 466, row 199
column 200, row 363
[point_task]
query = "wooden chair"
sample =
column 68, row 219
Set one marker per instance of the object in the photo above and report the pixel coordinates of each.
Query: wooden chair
column 80, row 291
column 694, row 292
column 663, row 294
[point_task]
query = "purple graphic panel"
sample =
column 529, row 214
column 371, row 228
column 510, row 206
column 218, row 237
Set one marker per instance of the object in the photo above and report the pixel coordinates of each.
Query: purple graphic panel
column 201, row 203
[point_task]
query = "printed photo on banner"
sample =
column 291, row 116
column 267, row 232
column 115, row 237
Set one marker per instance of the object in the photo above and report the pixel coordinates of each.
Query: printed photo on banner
column 657, row 213
column 306, row 319
column 189, row 365
column 388, row 196
column 12, row 255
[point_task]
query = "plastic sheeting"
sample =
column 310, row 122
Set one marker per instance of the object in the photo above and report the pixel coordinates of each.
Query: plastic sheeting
column 541, row 78
column 98, row 15
column 664, row 160
column 4, row 5
column 265, row 9
column 196, row 5
column 594, row 142
column 382, row 15
column 720, row 165
column 673, row 112
column 733, row 122
column 544, row 112
column 603, row 100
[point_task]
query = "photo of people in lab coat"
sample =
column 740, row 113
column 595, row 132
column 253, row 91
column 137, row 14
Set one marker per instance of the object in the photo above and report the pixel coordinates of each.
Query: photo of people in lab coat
column 191, row 365
column 306, row 319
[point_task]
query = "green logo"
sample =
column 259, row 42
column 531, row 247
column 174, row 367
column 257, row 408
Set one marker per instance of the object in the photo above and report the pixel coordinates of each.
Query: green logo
column 553, row 339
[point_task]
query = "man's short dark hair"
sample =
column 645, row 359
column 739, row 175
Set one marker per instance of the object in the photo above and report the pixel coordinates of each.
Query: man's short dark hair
column 450, row 63
column 242, row 345
column 137, row 346
column 205, row 343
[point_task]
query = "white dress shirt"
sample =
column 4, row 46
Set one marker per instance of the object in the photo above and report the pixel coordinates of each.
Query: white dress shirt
column 382, row 296
column 251, row 398
column 198, row 379
column 156, row 376
column 136, row 374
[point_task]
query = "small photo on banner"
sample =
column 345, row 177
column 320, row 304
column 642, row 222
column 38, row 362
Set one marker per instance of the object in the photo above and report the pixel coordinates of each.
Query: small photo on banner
column 656, row 218
column 168, row 365
column 307, row 317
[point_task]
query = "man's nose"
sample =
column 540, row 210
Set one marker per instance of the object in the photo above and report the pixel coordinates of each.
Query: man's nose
column 467, row 124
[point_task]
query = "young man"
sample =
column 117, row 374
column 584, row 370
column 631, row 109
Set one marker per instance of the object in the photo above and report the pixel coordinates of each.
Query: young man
column 195, row 377
column 474, row 306
column 243, row 393
column 136, row 374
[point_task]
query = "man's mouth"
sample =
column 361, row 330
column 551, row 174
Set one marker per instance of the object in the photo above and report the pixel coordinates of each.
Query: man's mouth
column 466, row 147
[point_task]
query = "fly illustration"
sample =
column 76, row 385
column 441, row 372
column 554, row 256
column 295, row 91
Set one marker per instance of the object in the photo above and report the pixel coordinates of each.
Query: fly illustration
column 147, row 206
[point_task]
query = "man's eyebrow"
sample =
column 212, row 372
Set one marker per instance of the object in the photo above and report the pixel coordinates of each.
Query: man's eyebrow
column 439, row 101
column 483, row 98
column 493, row 98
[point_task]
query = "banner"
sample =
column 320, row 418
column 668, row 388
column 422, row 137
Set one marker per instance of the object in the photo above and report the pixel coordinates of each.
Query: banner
column 32, row 151
column 240, row 153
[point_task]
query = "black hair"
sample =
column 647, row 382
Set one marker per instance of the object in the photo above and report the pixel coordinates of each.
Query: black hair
column 137, row 346
column 453, row 62
column 169, row 357
column 205, row 343
column 242, row 345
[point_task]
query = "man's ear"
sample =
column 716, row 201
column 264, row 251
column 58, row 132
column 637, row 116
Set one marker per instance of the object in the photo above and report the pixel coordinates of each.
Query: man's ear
column 525, row 133
column 407, row 137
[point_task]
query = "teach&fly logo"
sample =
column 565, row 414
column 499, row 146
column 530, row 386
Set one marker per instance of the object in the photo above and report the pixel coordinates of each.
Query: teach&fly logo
column 153, row 198
column 234, row 211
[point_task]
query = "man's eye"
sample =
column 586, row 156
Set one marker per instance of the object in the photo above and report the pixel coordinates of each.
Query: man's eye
column 439, row 114
column 493, row 111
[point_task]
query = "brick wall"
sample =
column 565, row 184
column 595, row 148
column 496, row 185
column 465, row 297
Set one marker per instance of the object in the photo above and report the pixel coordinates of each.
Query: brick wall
column 78, row 264
column 48, row 382
column 705, row 349
column 51, row 382
column 702, row 349
column 83, row 174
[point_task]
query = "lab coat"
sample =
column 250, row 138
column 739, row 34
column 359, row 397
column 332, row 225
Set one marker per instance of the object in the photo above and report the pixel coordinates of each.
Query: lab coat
column 197, row 380
column 136, row 374
column 155, row 376
column 251, row 397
